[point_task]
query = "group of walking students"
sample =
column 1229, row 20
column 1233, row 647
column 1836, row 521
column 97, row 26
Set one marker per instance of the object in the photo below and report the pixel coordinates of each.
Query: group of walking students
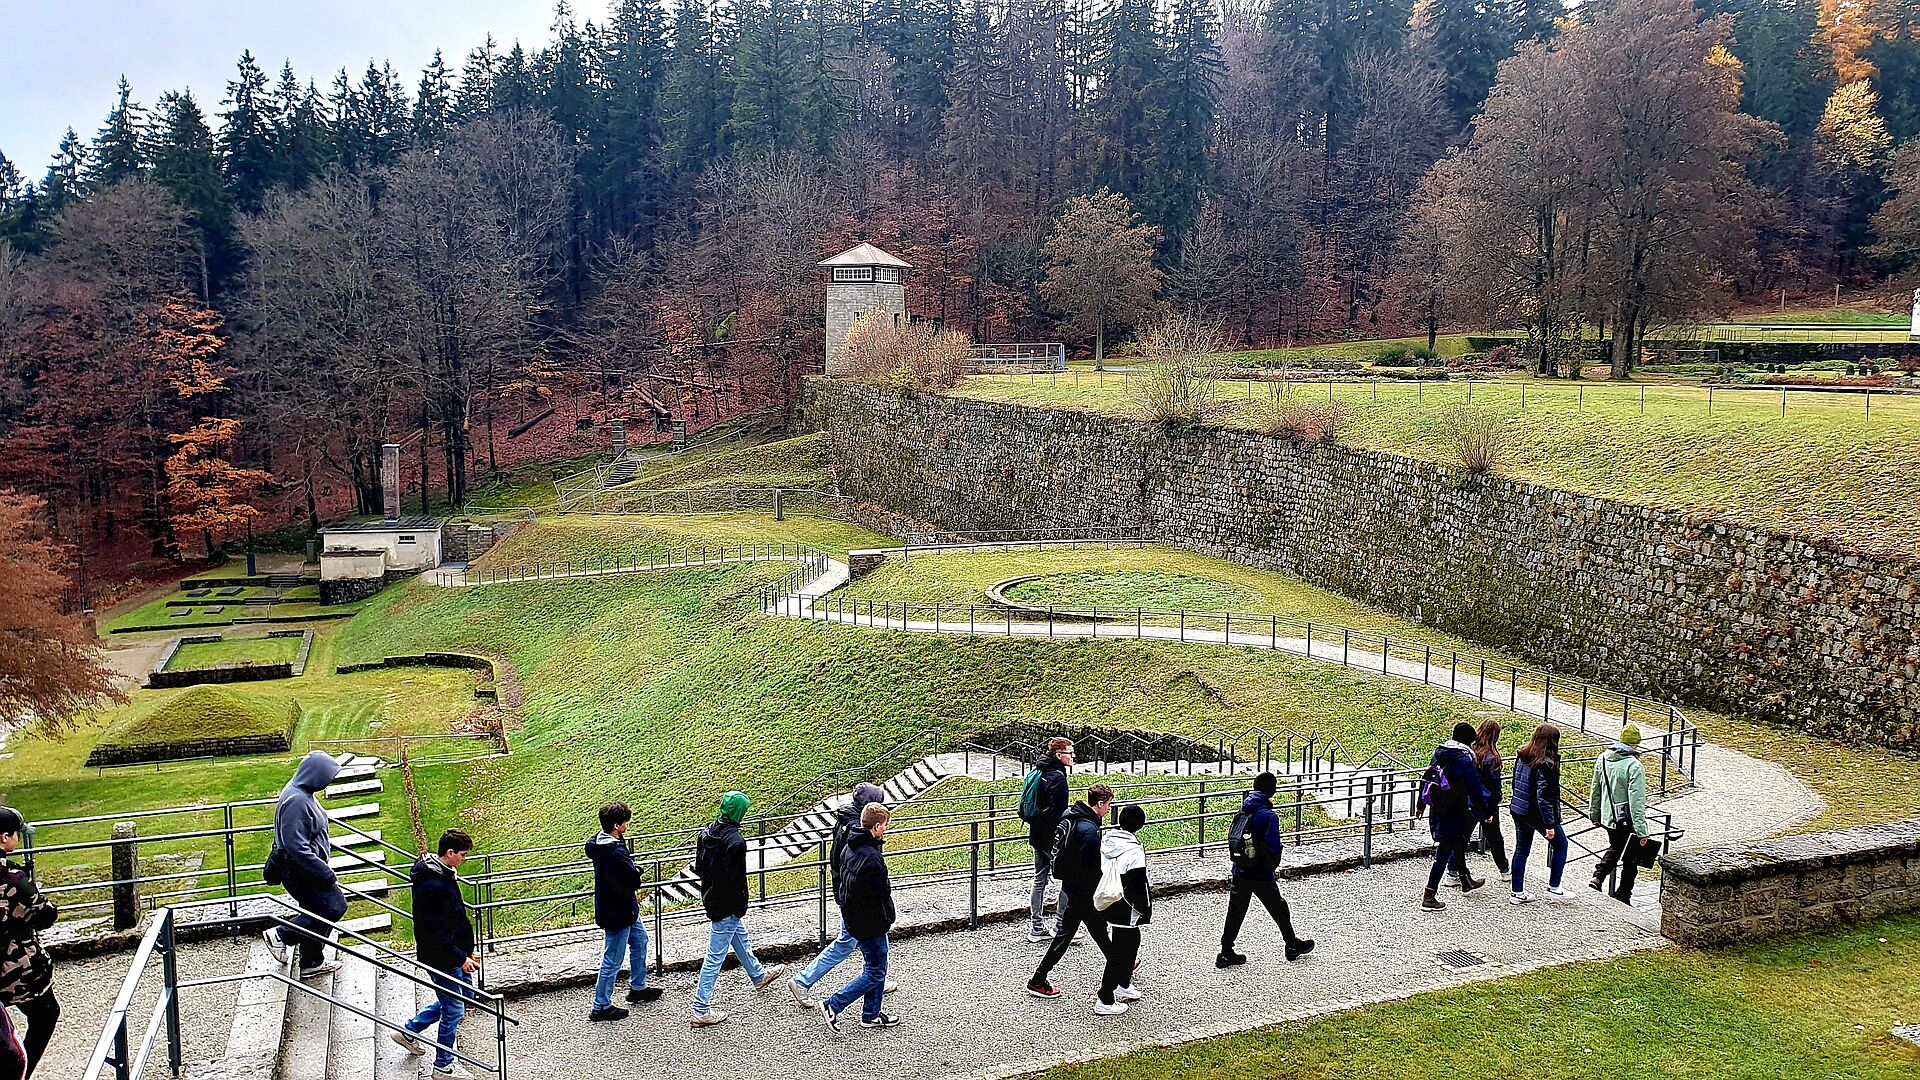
column 1101, row 874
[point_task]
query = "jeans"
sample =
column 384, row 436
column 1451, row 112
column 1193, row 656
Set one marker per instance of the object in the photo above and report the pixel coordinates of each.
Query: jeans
column 629, row 943
column 1074, row 910
column 837, row 950
column 1244, row 889
column 1618, row 837
column 1126, row 949
column 870, row 985
column 1523, row 844
column 1042, row 873
column 728, row 934
column 1448, row 854
column 447, row 1009
column 327, row 902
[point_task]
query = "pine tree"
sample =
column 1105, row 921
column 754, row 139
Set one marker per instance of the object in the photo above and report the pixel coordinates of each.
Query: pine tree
column 117, row 149
column 692, row 108
column 1895, row 55
column 825, row 106
column 65, row 181
column 1129, row 116
column 564, row 78
column 187, row 165
column 1465, row 40
column 301, row 142
column 515, row 86
column 477, row 76
column 1532, row 20
column 766, row 78
column 1195, row 72
column 246, row 136
column 634, row 59
column 433, row 105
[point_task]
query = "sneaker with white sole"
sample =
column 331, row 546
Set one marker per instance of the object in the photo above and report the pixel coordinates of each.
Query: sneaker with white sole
column 1039, row 937
column 799, row 994
column 456, row 1071
column 890, row 987
column 1555, row 890
column 832, row 1018
column 1522, row 898
column 769, row 976
column 1126, row 993
column 325, row 967
column 709, row 1019
column 884, row 1020
column 275, row 946
column 1101, row 1008
column 408, row 1043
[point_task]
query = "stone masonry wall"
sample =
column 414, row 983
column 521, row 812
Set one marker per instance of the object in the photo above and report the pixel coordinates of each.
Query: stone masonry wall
column 1680, row 606
column 1740, row 892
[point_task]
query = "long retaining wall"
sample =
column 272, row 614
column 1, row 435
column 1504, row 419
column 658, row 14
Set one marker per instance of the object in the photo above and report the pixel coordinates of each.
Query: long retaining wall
column 1676, row 605
column 1741, row 892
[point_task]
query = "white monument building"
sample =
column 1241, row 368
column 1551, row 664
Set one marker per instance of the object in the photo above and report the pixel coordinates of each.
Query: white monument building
column 863, row 282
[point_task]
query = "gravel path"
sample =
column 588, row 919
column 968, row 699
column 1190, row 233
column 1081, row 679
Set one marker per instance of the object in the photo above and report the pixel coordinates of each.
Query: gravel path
column 965, row 1013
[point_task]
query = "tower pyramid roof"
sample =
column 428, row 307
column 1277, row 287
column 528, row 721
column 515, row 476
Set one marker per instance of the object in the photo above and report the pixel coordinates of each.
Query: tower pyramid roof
column 864, row 254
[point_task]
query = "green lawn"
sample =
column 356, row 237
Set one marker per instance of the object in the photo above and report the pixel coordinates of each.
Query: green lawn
column 1446, row 345
column 232, row 652
column 791, row 463
column 577, row 537
column 1824, row 469
column 159, row 613
column 1843, row 316
column 198, row 712
column 1811, row 1005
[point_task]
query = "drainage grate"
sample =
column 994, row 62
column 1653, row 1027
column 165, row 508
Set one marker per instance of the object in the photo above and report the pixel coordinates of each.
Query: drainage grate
column 1909, row 1032
column 1460, row 958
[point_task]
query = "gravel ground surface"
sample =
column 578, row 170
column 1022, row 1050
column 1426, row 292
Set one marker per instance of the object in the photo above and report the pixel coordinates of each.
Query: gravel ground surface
column 965, row 1012
column 86, row 989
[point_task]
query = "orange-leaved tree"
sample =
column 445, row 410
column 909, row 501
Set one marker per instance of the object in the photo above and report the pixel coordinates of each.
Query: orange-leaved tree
column 206, row 492
column 50, row 662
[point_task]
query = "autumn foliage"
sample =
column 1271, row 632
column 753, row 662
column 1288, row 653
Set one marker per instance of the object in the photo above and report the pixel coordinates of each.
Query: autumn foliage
column 50, row 663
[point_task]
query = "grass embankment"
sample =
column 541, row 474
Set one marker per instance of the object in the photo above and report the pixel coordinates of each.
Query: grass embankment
column 1810, row 1005
column 787, row 463
column 196, row 713
column 578, row 538
column 232, row 652
column 1824, row 469
column 666, row 689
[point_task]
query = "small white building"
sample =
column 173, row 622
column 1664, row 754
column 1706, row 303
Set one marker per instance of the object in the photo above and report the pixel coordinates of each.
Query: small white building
column 365, row 555
column 863, row 282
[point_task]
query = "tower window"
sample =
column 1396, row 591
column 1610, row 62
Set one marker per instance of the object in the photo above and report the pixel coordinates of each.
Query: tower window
column 853, row 273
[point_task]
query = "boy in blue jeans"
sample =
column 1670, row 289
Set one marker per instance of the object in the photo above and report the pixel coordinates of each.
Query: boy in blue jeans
column 720, row 858
column 616, row 911
column 445, row 944
column 866, row 908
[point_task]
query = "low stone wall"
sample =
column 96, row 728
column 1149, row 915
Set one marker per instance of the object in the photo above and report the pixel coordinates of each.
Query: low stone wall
column 277, row 742
column 169, row 680
column 1740, row 892
column 1680, row 606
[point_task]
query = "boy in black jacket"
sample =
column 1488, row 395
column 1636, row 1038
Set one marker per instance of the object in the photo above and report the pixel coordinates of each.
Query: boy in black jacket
column 1077, row 865
column 1254, row 868
column 444, row 936
column 720, row 858
column 616, row 911
column 866, row 908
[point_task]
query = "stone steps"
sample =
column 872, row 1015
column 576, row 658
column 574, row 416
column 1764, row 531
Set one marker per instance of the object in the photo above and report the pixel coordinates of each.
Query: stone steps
column 358, row 810
column 356, row 787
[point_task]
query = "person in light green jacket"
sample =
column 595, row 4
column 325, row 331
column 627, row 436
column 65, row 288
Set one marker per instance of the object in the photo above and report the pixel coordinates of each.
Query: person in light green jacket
column 1619, row 804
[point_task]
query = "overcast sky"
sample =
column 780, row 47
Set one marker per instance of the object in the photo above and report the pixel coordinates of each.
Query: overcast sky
column 60, row 59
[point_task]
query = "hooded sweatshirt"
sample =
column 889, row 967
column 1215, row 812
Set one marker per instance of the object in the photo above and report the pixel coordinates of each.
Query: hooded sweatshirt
column 300, row 825
column 1122, row 851
column 845, row 821
column 721, row 858
column 1619, row 789
column 615, row 878
column 1079, row 867
column 1054, row 797
column 866, row 893
column 440, row 925
column 1263, row 836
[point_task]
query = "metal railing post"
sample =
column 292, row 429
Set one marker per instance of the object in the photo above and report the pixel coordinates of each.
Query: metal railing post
column 659, row 939
column 821, row 888
column 1366, row 828
column 973, row 881
column 170, row 981
column 993, row 824
column 233, row 870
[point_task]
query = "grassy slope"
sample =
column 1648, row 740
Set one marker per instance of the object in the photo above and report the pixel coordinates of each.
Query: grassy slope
column 667, row 689
column 574, row 537
column 260, row 650
column 1823, row 470
column 1819, row 1002
column 199, row 712
column 792, row 463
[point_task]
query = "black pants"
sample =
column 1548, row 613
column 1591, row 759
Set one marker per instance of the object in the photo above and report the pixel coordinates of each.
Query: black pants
column 312, row 935
column 1495, row 843
column 1242, row 894
column 1075, row 909
column 1618, row 837
column 42, row 1014
column 1126, row 949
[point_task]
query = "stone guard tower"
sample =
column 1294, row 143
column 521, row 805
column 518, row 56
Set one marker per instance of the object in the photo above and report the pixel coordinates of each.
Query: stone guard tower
column 863, row 282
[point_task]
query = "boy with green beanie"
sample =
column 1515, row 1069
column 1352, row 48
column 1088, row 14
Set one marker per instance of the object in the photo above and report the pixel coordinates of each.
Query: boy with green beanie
column 1618, row 803
column 720, row 859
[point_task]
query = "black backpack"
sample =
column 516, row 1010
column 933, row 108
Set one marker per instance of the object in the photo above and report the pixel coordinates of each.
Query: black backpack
column 1242, row 846
column 1062, row 847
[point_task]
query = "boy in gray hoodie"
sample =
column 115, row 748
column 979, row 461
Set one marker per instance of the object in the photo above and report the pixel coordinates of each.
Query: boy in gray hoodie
column 301, row 852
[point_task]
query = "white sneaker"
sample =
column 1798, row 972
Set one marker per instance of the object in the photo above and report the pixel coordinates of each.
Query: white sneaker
column 799, row 994
column 1555, row 890
column 457, row 1071
column 408, row 1043
column 1523, row 898
column 325, row 968
column 1038, row 937
column 275, row 946
column 1126, row 993
column 1101, row 1008
column 1506, row 876
column 890, row 987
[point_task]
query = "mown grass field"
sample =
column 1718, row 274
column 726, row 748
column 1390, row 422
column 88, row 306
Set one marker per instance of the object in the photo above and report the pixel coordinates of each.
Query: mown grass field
column 233, row 651
column 798, row 462
column 1824, row 469
column 1809, row 1005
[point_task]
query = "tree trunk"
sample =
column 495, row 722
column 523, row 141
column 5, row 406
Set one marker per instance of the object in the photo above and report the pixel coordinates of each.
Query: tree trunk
column 1100, row 345
column 425, row 510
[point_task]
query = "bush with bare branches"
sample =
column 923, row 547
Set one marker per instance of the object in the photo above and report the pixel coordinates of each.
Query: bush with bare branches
column 913, row 356
column 1478, row 438
column 1182, row 376
column 1305, row 422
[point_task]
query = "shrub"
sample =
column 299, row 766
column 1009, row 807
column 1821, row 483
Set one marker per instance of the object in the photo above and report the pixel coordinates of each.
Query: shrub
column 1478, row 438
column 1182, row 375
column 1401, row 356
column 1305, row 422
column 913, row 356
column 1505, row 356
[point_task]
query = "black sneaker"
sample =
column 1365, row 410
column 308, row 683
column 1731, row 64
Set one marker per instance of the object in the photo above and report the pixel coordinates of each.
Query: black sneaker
column 1229, row 959
column 1299, row 947
column 833, row 1018
column 884, row 1020
column 611, row 1012
column 1040, row 988
column 643, row 995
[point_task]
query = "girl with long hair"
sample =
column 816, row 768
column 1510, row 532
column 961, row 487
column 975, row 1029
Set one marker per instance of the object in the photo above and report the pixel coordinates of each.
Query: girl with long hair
column 1536, row 809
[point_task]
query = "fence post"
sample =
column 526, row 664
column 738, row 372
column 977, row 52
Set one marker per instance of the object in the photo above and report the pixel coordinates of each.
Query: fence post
column 1366, row 829
column 821, row 894
column 973, row 880
column 233, row 871
column 659, row 942
column 779, row 507
column 126, row 875
column 1200, row 840
column 170, row 979
column 993, row 829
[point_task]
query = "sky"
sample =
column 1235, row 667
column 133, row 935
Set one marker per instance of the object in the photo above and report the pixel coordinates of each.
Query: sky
column 61, row 59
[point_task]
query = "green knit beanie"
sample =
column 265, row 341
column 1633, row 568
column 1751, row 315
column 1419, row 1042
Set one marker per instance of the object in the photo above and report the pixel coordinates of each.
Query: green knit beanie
column 733, row 806
column 1630, row 735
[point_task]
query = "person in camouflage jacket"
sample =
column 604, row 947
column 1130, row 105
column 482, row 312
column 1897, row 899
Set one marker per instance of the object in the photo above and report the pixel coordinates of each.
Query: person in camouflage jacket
column 26, row 972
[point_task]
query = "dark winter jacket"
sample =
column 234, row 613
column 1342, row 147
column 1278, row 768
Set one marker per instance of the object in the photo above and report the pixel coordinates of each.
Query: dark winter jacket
column 1079, row 867
column 845, row 823
column 442, row 929
column 1263, row 837
column 865, row 893
column 1123, row 851
column 1536, row 794
column 720, row 857
column 300, row 826
column 1489, row 775
column 1054, row 799
column 1456, row 760
column 615, row 877
column 25, row 970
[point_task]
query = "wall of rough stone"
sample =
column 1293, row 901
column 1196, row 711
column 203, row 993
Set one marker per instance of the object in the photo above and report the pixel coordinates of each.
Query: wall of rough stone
column 1740, row 892
column 1680, row 606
